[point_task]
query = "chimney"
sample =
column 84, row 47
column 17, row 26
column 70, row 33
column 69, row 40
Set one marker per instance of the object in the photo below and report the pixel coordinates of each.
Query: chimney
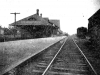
column 37, row 11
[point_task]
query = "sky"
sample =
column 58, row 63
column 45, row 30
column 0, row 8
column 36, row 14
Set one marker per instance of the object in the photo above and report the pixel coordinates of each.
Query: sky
column 71, row 13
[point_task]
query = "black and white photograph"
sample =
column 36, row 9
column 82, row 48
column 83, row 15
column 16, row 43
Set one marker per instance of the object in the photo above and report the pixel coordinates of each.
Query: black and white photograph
column 49, row 37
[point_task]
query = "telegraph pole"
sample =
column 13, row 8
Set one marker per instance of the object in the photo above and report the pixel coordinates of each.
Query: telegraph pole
column 15, row 22
column 15, row 16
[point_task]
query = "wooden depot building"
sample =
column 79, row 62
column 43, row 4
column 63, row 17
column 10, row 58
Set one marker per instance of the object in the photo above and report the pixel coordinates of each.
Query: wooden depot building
column 35, row 26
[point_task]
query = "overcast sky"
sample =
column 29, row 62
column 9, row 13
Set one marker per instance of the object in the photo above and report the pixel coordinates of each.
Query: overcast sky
column 72, row 13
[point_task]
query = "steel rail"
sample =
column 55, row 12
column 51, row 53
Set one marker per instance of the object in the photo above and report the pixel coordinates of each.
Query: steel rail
column 54, row 58
column 85, row 58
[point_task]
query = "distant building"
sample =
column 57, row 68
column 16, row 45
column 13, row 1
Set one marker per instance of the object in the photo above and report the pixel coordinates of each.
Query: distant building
column 56, row 22
column 37, row 26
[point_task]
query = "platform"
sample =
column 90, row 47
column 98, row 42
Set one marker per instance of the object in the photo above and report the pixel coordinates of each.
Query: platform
column 13, row 53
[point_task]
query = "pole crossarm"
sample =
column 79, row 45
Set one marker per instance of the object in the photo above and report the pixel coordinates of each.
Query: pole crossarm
column 15, row 13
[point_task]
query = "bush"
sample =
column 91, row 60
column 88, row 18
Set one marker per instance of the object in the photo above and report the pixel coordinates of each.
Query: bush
column 1, row 39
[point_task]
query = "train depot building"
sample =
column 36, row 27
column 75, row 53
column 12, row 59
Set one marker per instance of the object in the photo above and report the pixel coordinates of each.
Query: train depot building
column 35, row 26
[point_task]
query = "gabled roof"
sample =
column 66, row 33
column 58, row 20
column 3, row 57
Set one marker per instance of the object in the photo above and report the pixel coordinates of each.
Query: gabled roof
column 96, row 15
column 32, row 20
column 36, row 19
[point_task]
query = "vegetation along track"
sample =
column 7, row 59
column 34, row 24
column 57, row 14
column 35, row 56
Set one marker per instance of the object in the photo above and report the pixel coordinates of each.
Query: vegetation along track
column 38, row 63
column 62, row 58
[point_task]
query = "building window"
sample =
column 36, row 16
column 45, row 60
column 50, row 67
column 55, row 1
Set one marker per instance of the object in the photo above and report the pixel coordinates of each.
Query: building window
column 32, row 19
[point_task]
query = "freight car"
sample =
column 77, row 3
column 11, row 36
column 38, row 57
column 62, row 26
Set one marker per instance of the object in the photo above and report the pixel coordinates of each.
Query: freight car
column 81, row 32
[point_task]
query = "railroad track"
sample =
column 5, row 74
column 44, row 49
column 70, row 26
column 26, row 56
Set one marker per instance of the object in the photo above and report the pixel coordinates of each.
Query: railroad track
column 70, row 61
column 63, row 58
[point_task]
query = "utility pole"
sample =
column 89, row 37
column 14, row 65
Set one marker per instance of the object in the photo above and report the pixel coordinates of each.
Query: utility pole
column 14, row 32
column 15, row 16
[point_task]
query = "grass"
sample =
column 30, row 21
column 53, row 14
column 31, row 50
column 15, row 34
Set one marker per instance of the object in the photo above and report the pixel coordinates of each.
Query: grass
column 13, row 52
column 92, row 53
